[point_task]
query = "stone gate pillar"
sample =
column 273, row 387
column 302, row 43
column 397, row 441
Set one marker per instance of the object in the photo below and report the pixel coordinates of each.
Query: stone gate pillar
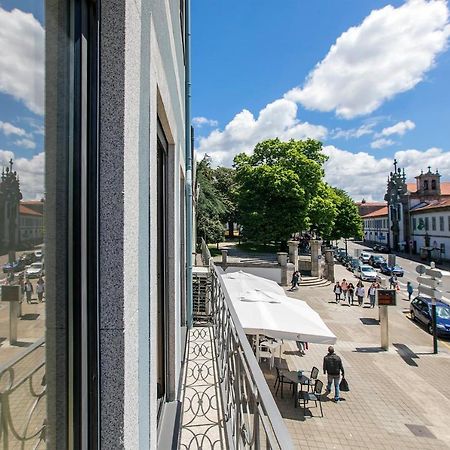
column 329, row 263
column 293, row 252
column 316, row 257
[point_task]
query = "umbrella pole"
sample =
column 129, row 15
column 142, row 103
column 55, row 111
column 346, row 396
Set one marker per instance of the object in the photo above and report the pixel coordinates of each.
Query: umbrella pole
column 257, row 347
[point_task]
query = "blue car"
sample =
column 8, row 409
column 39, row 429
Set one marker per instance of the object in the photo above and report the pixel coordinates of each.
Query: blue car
column 420, row 310
column 391, row 270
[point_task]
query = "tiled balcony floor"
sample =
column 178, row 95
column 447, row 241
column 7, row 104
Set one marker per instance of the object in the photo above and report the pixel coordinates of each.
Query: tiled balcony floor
column 202, row 422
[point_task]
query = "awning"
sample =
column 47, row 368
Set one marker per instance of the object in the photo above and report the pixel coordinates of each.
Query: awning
column 263, row 308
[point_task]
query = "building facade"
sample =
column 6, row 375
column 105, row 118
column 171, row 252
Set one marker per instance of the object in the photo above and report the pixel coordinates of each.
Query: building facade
column 415, row 217
column 116, row 176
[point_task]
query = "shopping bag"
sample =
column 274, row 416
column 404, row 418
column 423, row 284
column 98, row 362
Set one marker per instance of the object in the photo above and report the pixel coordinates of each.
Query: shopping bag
column 343, row 385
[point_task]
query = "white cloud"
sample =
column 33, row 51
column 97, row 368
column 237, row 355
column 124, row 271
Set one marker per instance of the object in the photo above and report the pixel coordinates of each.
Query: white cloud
column 388, row 53
column 381, row 143
column 364, row 176
column 22, row 58
column 25, row 143
column 200, row 121
column 244, row 131
column 364, row 129
column 399, row 128
column 8, row 129
column 30, row 172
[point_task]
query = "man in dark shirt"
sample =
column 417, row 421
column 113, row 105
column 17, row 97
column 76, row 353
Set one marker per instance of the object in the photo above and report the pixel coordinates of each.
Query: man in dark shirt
column 332, row 366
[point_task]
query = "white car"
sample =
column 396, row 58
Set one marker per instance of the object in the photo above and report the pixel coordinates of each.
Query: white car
column 366, row 273
column 38, row 254
column 35, row 270
column 364, row 257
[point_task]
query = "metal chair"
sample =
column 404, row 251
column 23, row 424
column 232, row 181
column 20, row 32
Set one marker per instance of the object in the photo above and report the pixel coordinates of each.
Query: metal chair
column 312, row 378
column 280, row 381
column 315, row 396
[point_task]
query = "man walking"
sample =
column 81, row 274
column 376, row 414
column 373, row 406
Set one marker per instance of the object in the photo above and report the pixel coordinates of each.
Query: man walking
column 332, row 366
column 372, row 294
column 28, row 290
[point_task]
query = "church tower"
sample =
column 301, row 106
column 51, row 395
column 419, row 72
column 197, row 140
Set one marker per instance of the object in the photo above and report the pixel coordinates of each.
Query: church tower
column 428, row 185
column 10, row 197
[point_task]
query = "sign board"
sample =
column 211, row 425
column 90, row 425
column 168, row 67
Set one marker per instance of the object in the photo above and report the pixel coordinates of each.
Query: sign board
column 428, row 281
column 387, row 297
column 430, row 292
column 421, row 269
column 10, row 293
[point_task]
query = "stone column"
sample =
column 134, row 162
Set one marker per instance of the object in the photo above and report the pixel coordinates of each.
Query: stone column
column 282, row 258
column 293, row 252
column 316, row 257
column 224, row 257
column 329, row 262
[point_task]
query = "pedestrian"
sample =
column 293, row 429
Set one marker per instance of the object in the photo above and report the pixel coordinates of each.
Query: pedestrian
column 337, row 291
column 344, row 288
column 40, row 289
column 302, row 346
column 372, row 292
column 10, row 277
column 28, row 290
column 360, row 292
column 332, row 367
column 409, row 289
column 393, row 281
column 350, row 293
column 295, row 281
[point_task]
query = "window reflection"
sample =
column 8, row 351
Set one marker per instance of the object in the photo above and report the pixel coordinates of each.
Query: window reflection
column 23, row 381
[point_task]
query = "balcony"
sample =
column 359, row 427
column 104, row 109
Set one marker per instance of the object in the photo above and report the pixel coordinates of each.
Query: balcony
column 226, row 400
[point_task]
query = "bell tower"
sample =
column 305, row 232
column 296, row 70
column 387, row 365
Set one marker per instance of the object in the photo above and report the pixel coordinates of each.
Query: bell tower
column 429, row 184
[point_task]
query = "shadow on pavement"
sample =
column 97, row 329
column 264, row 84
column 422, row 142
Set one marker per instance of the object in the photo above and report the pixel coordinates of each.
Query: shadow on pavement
column 369, row 321
column 406, row 354
column 369, row 350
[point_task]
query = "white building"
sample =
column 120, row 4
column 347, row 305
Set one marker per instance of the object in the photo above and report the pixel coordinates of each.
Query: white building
column 376, row 226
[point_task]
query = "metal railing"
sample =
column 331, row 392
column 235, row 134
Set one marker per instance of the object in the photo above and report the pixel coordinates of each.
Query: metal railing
column 252, row 418
column 23, row 399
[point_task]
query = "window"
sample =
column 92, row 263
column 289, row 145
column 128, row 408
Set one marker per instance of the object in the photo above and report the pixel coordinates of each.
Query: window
column 442, row 249
column 433, row 223
column 162, row 266
column 425, row 185
column 427, row 224
column 448, row 223
column 414, row 223
column 441, row 223
column 433, row 185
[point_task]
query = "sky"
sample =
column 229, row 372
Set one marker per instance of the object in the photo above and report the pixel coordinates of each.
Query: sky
column 369, row 79
column 22, row 57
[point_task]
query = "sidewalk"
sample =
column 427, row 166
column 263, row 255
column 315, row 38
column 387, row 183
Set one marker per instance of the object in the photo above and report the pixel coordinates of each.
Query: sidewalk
column 398, row 399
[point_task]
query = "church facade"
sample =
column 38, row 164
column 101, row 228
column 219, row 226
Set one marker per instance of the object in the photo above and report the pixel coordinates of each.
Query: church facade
column 415, row 217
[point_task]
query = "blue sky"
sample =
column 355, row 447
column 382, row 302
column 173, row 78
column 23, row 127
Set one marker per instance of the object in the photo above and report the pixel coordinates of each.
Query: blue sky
column 248, row 54
column 22, row 92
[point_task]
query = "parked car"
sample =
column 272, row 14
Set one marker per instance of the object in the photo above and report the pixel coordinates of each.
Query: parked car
column 366, row 273
column 340, row 253
column 15, row 266
column 28, row 258
column 354, row 264
column 35, row 270
column 420, row 310
column 376, row 260
column 391, row 270
column 38, row 254
column 364, row 257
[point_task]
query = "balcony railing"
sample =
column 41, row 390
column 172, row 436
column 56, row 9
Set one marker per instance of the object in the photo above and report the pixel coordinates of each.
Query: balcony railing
column 23, row 399
column 251, row 416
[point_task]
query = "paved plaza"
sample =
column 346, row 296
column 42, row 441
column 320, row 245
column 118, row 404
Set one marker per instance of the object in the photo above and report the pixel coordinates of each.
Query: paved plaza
column 397, row 399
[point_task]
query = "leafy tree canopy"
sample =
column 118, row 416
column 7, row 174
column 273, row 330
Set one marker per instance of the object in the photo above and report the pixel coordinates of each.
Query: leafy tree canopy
column 275, row 186
column 348, row 223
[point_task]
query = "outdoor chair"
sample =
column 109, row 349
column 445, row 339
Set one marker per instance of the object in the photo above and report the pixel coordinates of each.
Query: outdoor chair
column 281, row 381
column 315, row 396
column 312, row 378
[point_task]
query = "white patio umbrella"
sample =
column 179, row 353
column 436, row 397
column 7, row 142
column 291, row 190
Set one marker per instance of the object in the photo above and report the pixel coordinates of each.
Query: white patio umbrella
column 263, row 308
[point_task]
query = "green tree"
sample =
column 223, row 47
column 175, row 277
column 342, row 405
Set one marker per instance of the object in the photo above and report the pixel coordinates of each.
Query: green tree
column 210, row 206
column 322, row 210
column 275, row 186
column 225, row 183
column 348, row 223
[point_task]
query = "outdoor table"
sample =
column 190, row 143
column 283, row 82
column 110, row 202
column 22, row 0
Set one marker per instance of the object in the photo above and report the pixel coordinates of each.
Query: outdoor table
column 302, row 380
